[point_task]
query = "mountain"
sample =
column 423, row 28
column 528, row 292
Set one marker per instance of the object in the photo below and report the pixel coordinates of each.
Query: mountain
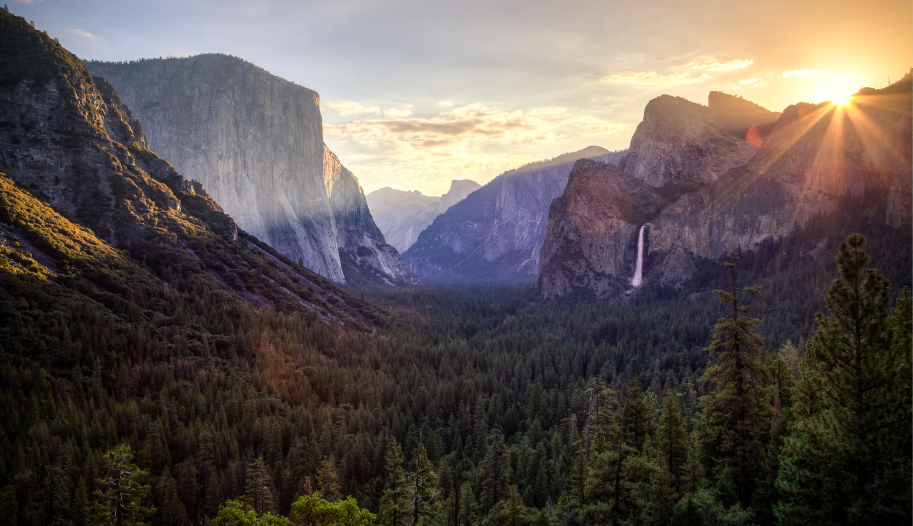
column 403, row 215
column 255, row 141
column 496, row 233
column 703, row 181
column 86, row 206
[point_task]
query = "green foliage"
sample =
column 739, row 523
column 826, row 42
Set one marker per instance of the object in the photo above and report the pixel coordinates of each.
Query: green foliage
column 258, row 490
column 236, row 513
column 120, row 497
column 737, row 411
column 311, row 510
column 851, row 435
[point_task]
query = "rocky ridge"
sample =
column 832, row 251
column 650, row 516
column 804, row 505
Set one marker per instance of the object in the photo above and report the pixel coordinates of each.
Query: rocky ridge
column 255, row 141
column 403, row 215
column 712, row 181
column 496, row 233
column 106, row 215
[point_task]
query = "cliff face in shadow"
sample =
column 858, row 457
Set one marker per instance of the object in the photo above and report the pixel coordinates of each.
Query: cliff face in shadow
column 707, row 180
column 496, row 233
column 255, row 141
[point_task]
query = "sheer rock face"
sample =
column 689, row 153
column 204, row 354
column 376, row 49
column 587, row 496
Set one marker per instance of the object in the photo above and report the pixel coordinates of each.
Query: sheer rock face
column 403, row 215
column 700, row 202
column 255, row 141
column 366, row 258
column 496, row 233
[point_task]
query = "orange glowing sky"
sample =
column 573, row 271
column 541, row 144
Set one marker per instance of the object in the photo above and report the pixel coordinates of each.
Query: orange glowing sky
column 417, row 93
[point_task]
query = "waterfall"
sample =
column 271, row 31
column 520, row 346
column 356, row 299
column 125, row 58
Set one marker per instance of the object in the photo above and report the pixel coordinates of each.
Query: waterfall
column 638, row 270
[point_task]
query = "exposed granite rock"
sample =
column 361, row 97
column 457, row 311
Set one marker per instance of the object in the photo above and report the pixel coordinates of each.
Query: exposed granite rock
column 812, row 156
column 366, row 258
column 94, row 187
column 680, row 141
column 403, row 215
column 496, row 233
column 255, row 141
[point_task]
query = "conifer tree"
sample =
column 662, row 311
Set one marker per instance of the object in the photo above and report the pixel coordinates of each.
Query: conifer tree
column 328, row 481
column 673, row 442
column 122, row 490
column 9, row 507
column 424, row 493
column 848, row 453
column 736, row 413
column 394, row 505
column 259, row 491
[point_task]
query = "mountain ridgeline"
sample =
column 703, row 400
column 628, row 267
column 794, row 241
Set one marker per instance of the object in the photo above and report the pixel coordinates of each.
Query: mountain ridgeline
column 255, row 142
column 403, row 215
column 707, row 180
column 495, row 234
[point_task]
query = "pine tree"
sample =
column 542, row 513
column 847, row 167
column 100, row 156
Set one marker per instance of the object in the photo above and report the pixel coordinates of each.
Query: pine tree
column 258, row 491
column 424, row 493
column 736, row 414
column 394, row 505
column 328, row 481
column 848, row 454
column 673, row 442
column 9, row 507
column 122, row 490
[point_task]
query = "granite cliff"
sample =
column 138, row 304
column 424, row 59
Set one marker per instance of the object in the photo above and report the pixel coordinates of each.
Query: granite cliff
column 109, row 218
column 496, row 233
column 403, row 215
column 255, row 141
column 707, row 180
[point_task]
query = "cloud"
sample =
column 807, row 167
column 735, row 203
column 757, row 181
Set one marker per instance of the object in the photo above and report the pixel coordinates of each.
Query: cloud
column 346, row 107
column 805, row 73
column 652, row 78
column 694, row 71
column 445, row 104
column 84, row 34
column 754, row 82
column 711, row 64
column 398, row 112
column 473, row 126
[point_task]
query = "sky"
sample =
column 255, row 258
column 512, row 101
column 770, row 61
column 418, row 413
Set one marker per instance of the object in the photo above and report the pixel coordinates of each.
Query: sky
column 416, row 93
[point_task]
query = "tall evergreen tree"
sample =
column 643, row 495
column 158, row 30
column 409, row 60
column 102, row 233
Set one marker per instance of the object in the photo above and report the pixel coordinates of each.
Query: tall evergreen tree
column 424, row 492
column 394, row 505
column 259, row 492
column 122, row 490
column 736, row 413
column 673, row 443
column 328, row 481
column 848, row 455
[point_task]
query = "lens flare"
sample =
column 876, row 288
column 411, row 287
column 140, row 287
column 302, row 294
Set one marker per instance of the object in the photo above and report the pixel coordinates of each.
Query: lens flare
column 837, row 89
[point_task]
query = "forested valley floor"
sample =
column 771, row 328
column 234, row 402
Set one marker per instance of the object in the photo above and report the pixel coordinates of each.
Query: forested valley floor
column 475, row 405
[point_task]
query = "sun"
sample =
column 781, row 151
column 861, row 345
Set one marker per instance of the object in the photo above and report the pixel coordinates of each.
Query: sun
column 837, row 89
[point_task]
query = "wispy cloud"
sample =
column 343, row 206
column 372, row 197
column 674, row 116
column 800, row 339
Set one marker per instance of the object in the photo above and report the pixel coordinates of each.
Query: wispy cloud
column 805, row 73
column 463, row 141
column 695, row 71
column 754, row 82
column 84, row 34
column 345, row 107
column 445, row 104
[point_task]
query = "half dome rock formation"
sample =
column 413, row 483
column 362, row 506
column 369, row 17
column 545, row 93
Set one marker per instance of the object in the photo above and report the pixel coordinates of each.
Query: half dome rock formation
column 708, row 180
column 403, row 215
column 255, row 141
column 496, row 233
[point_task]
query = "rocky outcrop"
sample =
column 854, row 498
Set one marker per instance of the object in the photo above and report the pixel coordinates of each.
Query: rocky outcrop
column 366, row 258
column 403, row 215
column 679, row 141
column 496, row 233
column 255, row 141
column 700, row 201
column 79, row 182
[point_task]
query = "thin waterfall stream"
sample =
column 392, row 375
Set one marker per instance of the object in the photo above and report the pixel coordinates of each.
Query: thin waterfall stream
column 638, row 270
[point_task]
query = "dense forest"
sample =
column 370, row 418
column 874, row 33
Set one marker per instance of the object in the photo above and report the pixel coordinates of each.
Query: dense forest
column 462, row 405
